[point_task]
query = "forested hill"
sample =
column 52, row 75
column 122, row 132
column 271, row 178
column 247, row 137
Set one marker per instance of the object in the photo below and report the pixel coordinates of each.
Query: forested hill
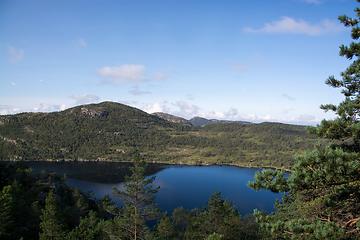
column 114, row 132
column 200, row 122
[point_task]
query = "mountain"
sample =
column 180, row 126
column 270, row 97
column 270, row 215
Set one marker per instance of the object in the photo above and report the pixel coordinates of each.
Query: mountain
column 172, row 118
column 200, row 122
column 111, row 131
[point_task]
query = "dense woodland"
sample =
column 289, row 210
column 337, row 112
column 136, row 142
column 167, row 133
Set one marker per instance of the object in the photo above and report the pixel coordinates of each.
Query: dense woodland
column 42, row 206
column 114, row 132
column 322, row 194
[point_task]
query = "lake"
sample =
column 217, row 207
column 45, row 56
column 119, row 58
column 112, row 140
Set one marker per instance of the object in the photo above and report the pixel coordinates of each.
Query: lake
column 180, row 185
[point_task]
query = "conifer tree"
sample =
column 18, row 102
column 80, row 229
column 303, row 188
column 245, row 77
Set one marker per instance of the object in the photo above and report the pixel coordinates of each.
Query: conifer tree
column 219, row 217
column 6, row 202
column 129, row 221
column 322, row 199
column 50, row 226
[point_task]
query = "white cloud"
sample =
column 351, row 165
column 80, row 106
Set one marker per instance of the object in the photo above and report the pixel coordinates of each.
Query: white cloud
column 302, row 119
column 133, row 73
column 85, row 98
column 155, row 107
column 186, row 108
column 61, row 107
column 15, row 55
column 6, row 110
column 306, row 118
column 290, row 25
column 188, row 111
column 232, row 114
column 129, row 103
column 43, row 107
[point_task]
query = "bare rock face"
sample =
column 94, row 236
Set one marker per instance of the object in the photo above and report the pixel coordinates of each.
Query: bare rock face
column 172, row 118
column 92, row 112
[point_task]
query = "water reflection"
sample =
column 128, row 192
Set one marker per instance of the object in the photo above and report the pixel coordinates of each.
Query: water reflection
column 187, row 186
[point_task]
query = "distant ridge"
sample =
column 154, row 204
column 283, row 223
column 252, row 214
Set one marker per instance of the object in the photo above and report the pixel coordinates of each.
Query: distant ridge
column 200, row 122
column 195, row 121
column 172, row 118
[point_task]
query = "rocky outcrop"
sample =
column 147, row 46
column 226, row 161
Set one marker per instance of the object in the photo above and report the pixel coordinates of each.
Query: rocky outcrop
column 172, row 118
column 92, row 112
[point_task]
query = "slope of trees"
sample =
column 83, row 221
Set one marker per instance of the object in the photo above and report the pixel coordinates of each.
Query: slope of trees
column 42, row 206
column 140, row 206
column 114, row 132
column 323, row 191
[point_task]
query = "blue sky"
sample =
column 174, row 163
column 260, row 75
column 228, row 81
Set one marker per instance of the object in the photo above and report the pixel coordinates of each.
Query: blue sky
column 238, row 60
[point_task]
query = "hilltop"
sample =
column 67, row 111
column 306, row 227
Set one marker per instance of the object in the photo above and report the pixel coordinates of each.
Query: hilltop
column 110, row 131
column 200, row 122
column 172, row 118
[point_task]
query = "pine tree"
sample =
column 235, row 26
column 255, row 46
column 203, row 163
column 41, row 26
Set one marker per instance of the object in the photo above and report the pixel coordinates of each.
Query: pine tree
column 50, row 226
column 129, row 222
column 6, row 204
column 322, row 199
column 219, row 218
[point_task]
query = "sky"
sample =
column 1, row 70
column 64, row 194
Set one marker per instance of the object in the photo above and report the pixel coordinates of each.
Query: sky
column 243, row 60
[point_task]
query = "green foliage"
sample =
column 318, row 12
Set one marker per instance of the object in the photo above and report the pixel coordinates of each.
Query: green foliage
column 219, row 216
column 50, row 225
column 217, row 220
column 322, row 199
column 6, row 204
column 114, row 132
column 36, row 205
column 88, row 229
column 129, row 222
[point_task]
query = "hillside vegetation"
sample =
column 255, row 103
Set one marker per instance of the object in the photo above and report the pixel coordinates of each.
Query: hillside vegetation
column 114, row 132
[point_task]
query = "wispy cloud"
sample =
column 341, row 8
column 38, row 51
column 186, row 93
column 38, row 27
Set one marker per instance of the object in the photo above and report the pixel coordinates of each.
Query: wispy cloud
column 256, row 61
column 164, row 75
column 133, row 73
column 16, row 55
column 239, row 67
column 313, row 1
column 288, row 97
column 85, row 98
column 290, row 25
column 135, row 90
column 79, row 43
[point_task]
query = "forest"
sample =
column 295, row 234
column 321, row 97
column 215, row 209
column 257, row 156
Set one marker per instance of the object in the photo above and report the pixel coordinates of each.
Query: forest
column 42, row 206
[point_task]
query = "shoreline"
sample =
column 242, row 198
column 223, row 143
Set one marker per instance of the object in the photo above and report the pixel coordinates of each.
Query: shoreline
column 158, row 162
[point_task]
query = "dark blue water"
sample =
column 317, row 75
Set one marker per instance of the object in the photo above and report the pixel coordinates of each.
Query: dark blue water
column 187, row 186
